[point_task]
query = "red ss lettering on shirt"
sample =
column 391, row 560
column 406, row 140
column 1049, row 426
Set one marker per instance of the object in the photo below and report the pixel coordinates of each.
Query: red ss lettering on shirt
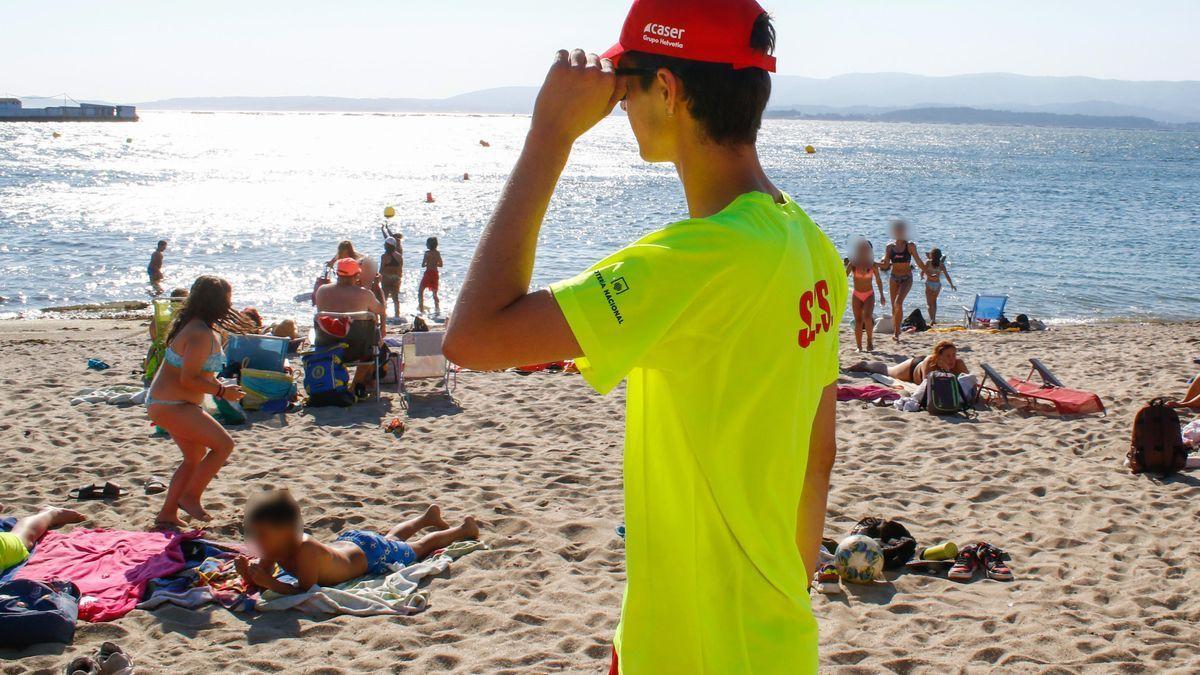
column 814, row 325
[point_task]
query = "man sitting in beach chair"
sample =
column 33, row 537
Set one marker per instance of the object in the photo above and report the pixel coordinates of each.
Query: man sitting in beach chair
column 350, row 314
column 987, row 308
column 1049, row 393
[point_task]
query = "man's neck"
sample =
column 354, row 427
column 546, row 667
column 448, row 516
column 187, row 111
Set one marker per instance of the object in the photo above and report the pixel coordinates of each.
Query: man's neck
column 714, row 175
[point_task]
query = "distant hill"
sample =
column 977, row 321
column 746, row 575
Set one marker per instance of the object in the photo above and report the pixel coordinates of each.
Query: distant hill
column 846, row 95
column 964, row 115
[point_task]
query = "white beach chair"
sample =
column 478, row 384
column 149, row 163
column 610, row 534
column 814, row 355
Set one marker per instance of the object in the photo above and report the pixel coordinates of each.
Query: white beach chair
column 421, row 358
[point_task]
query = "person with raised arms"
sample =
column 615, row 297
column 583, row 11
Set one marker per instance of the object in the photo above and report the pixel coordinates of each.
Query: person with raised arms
column 724, row 325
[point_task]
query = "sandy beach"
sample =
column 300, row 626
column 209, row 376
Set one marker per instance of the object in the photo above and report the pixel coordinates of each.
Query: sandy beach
column 1103, row 560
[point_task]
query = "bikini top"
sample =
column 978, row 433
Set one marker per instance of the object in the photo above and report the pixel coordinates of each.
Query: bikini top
column 213, row 364
column 901, row 255
column 863, row 275
column 393, row 261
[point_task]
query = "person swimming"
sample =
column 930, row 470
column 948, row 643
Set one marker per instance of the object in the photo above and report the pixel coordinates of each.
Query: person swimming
column 864, row 271
column 933, row 272
column 944, row 357
column 898, row 259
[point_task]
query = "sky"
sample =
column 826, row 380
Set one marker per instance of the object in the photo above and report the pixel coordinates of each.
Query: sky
column 133, row 51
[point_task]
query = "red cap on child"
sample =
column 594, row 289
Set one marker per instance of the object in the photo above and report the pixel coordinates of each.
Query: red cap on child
column 716, row 31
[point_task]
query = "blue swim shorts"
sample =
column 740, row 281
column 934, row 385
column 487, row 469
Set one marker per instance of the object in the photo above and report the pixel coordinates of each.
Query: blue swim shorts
column 381, row 552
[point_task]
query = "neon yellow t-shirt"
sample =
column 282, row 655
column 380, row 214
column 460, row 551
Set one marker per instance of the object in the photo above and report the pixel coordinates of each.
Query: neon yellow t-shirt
column 726, row 329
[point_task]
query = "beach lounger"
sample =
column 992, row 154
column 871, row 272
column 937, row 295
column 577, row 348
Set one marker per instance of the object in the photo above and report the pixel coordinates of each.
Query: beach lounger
column 421, row 358
column 986, row 308
column 1064, row 400
column 362, row 339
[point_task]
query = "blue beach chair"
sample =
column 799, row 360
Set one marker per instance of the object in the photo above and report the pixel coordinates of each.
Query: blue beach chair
column 986, row 308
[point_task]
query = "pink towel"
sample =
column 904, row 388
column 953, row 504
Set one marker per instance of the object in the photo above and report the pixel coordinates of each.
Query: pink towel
column 110, row 567
column 868, row 392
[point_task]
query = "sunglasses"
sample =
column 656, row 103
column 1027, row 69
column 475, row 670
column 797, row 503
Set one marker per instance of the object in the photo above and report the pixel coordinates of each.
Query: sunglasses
column 635, row 71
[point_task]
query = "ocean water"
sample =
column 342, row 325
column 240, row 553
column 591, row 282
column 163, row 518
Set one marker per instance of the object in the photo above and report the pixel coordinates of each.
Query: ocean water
column 1075, row 225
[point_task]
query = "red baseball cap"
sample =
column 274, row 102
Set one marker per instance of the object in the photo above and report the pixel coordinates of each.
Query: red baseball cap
column 348, row 267
column 717, row 31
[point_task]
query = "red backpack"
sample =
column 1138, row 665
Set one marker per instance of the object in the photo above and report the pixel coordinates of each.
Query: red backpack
column 1157, row 444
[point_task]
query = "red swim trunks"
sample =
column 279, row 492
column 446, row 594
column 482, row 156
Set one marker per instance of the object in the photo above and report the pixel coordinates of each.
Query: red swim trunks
column 429, row 280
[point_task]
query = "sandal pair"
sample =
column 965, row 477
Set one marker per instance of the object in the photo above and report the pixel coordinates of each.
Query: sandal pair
column 109, row 659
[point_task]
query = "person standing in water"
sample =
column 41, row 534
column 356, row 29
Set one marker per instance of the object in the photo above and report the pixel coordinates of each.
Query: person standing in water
column 429, row 279
column 391, row 270
column 154, row 269
column 898, row 258
column 724, row 325
column 863, row 269
column 933, row 273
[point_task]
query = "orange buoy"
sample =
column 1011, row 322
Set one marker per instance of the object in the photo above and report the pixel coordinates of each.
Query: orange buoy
column 428, row 197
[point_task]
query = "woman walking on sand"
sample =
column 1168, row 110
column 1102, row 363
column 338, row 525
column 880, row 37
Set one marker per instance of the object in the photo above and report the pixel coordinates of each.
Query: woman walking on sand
column 933, row 273
column 864, row 272
column 174, row 402
column 898, row 258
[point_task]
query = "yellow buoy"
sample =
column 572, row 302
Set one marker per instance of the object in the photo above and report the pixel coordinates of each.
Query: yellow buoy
column 57, row 135
column 810, row 149
column 389, row 212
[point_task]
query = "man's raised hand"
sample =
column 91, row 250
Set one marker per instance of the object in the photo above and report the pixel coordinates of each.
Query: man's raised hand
column 579, row 91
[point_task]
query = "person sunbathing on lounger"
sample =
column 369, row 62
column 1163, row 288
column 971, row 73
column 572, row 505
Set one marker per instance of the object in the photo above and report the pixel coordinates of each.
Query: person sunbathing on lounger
column 1191, row 399
column 275, row 527
column 944, row 358
column 15, row 545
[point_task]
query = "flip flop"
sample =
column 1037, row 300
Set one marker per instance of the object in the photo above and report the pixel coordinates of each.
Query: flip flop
column 155, row 486
column 107, row 490
column 82, row 665
column 113, row 660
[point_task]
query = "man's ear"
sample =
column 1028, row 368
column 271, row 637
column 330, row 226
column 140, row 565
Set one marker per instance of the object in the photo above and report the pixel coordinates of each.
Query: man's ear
column 670, row 89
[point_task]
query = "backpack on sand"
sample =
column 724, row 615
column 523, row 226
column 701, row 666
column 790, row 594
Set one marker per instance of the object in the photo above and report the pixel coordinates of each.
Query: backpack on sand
column 1157, row 444
column 943, row 395
column 915, row 320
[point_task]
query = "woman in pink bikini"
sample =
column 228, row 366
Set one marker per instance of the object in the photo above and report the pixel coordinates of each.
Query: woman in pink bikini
column 864, row 271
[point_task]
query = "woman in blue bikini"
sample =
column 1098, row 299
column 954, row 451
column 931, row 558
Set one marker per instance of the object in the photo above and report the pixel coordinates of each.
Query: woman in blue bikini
column 898, row 259
column 933, row 273
column 174, row 402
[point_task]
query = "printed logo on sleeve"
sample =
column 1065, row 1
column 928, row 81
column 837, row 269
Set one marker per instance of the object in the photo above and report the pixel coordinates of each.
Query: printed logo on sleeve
column 813, row 323
column 617, row 286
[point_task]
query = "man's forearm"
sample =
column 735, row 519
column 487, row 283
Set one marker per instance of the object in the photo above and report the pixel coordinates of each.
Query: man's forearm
column 503, row 262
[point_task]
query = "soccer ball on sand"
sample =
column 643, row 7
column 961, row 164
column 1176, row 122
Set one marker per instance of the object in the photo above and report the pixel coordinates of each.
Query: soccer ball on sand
column 859, row 559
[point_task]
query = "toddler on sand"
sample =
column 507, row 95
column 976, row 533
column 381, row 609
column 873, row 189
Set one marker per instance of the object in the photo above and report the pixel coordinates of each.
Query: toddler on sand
column 274, row 525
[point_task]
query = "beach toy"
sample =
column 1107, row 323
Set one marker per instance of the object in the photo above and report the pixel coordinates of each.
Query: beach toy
column 810, row 149
column 389, row 212
column 97, row 364
column 947, row 550
column 858, row 559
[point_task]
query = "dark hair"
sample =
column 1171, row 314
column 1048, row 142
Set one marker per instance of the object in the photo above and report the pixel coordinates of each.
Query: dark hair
column 431, row 243
column 251, row 313
column 209, row 301
column 276, row 507
column 935, row 257
column 180, row 292
column 162, row 243
column 727, row 102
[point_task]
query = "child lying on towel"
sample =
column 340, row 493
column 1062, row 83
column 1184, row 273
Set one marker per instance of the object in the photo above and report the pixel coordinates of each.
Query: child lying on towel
column 15, row 545
column 275, row 527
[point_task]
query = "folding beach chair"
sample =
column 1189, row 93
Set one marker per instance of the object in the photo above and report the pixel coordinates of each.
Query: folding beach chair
column 986, row 308
column 421, row 358
column 1064, row 400
column 361, row 338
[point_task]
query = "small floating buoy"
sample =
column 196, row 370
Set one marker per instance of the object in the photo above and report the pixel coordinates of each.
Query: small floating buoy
column 57, row 135
column 389, row 212
column 484, row 143
column 810, row 149
column 428, row 197
column 466, row 176
column 128, row 140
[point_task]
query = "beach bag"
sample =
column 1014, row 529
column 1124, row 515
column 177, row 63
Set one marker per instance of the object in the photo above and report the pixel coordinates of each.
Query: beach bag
column 943, row 395
column 33, row 612
column 1157, row 443
column 896, row 541
column 915, row 320
column 263, row 387
column 326, row 380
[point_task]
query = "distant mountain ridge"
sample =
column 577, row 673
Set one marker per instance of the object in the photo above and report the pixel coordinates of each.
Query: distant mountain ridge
column 855, row 94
